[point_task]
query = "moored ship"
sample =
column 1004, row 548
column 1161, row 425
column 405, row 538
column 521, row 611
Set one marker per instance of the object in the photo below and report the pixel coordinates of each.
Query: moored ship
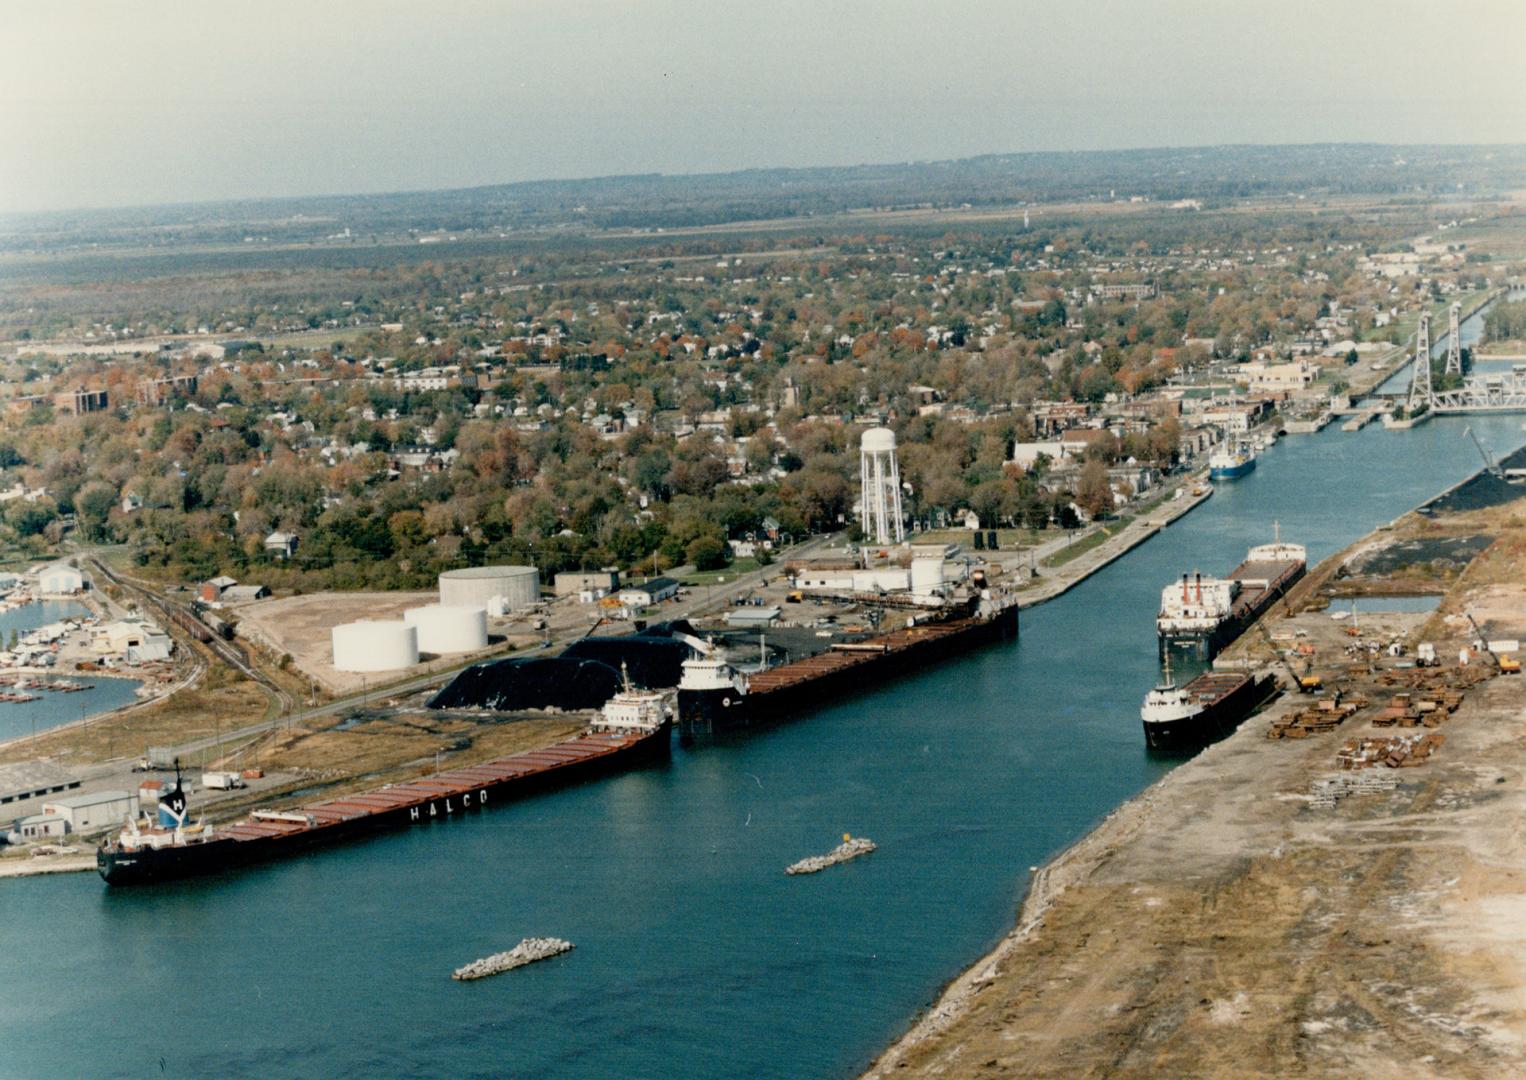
column 1199, row 616
column 1231, row 462
column 634, row 727
column 1207, row 708
column 713, row 696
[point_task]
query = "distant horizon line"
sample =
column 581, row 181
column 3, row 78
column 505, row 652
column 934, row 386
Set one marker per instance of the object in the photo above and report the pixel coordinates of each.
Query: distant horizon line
column 707, row 173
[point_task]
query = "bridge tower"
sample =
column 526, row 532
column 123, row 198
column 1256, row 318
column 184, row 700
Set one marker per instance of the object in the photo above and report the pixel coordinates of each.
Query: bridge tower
column 1420, row 392
column 1454, row 340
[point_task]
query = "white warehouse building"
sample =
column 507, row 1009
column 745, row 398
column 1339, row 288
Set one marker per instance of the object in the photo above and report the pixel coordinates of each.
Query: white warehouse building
column 497, row 589
column 375, row 645
column 60, row 579
column 98, row 810
column 443, row 629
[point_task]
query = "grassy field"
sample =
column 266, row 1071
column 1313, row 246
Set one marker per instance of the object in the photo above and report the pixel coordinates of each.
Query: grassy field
column 1087, row 543
column 223, row 700
column 720, row 577
column 1005, row 538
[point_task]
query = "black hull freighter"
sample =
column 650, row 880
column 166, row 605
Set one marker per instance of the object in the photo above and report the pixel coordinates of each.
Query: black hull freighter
column 1199, row 616
column 633, row 728
column 1209, row 707
column 714, row 697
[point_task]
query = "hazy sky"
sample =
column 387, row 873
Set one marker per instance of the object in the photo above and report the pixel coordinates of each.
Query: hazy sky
column 108, row 103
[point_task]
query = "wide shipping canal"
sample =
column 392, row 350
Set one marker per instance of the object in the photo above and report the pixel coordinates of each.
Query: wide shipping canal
column 696, row 956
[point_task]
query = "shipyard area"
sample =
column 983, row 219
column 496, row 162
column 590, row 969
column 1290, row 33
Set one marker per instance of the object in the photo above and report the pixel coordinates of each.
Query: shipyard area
column 1337, row 887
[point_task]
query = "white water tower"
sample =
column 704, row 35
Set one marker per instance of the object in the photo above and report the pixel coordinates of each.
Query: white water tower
column 881, row 494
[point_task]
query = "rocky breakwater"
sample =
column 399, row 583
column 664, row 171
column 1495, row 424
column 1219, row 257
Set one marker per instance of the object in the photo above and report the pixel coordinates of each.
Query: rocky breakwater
column 527, row 951
column 851, row 848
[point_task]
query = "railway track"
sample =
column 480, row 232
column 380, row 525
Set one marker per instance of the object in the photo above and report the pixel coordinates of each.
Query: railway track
column 176, row 615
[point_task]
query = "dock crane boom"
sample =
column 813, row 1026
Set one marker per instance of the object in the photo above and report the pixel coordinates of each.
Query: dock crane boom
column 1489, row 466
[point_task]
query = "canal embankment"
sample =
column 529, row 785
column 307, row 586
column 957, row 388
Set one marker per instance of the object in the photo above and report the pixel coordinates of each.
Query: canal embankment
column 1337, row 899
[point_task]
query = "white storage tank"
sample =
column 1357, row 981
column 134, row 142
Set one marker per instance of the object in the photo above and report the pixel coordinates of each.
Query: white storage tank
column 443, row 629
column 514, row 587
column 926, row 576
column 375, row 646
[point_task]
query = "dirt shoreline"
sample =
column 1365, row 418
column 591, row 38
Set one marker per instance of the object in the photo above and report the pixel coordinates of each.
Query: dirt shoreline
column 1228, row 922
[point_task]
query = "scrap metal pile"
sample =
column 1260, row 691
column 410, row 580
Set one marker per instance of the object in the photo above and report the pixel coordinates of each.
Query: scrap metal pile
column 1324, row 715
column 1393, row 751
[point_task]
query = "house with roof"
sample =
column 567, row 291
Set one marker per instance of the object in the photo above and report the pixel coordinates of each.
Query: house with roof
column 281, row 545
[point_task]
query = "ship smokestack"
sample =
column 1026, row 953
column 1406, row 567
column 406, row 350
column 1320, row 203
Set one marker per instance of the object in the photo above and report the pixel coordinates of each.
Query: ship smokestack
column 1185, row 597
column 1200, row 588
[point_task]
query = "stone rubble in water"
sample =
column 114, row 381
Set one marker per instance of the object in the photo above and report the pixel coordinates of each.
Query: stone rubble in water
column 848, row 849
column 527, row 951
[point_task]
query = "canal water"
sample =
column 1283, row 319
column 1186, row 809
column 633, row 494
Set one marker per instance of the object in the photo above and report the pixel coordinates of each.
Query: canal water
column 696, row 956
column 53, row 709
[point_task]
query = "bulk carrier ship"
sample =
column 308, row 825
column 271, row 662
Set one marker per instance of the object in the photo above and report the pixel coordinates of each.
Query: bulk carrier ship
column 634, row 727
column 1200, row 616
column 1207, row 708
column 713, row 696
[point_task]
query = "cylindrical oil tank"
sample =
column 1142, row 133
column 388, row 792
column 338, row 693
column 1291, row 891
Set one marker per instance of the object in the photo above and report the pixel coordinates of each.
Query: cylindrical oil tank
column 444, row 629
column 375, row 646
column 515, row 587
column 926, row 576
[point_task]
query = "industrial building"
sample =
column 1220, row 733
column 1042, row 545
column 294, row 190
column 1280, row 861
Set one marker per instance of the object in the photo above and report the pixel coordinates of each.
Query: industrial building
column 135, row 640
column 374, row 645
column 752, row 618
column 95, row 811
column 60, row 579
column 79, row 402
column 497, row 589
column 601, row 582
column 447, row 629
column 31, row 779
column 887, row 579
column 38, row 827
column 648, row 593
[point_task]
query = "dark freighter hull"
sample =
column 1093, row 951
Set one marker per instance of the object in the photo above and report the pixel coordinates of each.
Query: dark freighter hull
column 1227, row 700
column 803, row 685
column 445, row 795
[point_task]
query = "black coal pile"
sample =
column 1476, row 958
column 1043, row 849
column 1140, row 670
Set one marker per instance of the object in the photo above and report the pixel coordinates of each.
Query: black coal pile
column 654, row 662
column 559, row 682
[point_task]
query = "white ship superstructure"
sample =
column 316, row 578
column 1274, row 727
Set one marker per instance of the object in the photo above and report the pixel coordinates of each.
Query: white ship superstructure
column 1196, row 605
column 1167, row 704
column 632, row 709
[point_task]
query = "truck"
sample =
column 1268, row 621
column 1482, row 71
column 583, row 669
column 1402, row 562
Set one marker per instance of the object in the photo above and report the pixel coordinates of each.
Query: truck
column 156, row 759
column 221, row 781
column 1425, row 655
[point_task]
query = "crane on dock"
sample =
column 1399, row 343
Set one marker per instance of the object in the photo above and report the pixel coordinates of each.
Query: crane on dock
column 1483, row 642
column 1308, row 682
column 1489, row 465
